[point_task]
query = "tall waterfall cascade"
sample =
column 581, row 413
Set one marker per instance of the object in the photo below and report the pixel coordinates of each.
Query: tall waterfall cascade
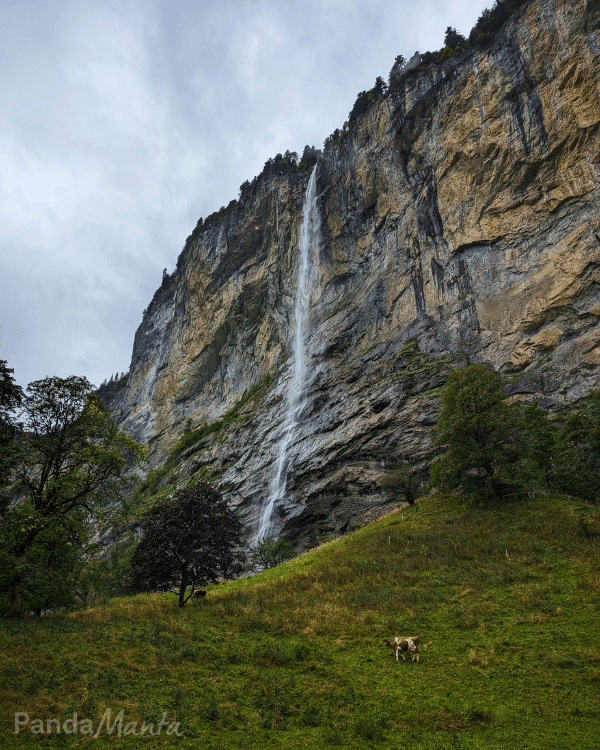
column 296, row 396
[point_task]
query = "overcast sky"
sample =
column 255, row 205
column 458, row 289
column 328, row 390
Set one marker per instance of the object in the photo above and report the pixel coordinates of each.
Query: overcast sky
column 121, row 123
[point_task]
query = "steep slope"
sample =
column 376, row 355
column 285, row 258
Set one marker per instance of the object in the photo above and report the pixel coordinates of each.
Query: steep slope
column 294, row 657
column 459, row 220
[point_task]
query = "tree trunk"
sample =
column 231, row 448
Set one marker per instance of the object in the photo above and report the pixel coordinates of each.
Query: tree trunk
column 16, row 601
column 183, row 586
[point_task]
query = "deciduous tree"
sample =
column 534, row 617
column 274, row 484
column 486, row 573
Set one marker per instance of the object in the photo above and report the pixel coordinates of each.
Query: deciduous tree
column 269, row 552
column 68, row 471
column 402, row 481
column 480, row 431
column 187, row 541
column 577, row 451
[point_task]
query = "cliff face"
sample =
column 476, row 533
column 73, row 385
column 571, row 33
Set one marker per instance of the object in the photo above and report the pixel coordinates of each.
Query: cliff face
column 461, row 214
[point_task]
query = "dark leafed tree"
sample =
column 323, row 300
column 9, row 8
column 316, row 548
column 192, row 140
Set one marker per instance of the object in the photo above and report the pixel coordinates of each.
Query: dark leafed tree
column 68, row 471
column 541, row 437
column 576, row 468
column 310, row 155
column 187, row 541
column 380, row 88
column 361, row 105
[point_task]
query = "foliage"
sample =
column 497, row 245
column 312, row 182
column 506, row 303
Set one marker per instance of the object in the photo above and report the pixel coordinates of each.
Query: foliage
column 269, row 552
column 114, row 384
column 397, row 70
column 480, row 430
column 492, row 19
column 187, row 541
column 454, row 39
column 403, row 480
column 68, row 473
column 310, row 156
column 104, row 574
column 491, row 443
column 192, row 437
column 541, row 435
column 11, row 396
column 361, row 105
column 576, row 467
column 364, row 101
column 149, row 487
column 46, row 577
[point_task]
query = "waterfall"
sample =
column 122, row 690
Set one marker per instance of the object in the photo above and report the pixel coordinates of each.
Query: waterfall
column 296, row 397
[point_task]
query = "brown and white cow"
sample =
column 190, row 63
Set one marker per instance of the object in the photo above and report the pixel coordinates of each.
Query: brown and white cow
column 402, row 643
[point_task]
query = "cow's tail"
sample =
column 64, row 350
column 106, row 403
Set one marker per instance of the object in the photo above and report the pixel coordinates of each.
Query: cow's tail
column 427, row 644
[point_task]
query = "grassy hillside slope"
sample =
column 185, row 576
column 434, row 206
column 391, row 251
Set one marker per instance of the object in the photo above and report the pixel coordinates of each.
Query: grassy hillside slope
column 294, row 657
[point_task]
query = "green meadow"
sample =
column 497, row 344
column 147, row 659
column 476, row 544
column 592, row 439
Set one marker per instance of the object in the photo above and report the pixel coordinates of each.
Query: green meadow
column 507, row 593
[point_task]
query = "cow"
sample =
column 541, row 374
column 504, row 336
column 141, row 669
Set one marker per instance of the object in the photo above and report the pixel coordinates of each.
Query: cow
column 198, row 594
column 402, row 643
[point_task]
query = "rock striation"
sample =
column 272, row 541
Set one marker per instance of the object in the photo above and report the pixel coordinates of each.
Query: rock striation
column 460, row 221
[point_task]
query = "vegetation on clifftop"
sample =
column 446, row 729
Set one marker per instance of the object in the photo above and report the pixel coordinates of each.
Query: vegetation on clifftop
column 488, row 24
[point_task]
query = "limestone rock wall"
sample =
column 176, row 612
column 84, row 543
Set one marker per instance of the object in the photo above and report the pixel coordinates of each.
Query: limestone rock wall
column 461, row 212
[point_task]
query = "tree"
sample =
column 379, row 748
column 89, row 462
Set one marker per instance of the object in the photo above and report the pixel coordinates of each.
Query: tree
column 576, row 468
column 380, row 88
column 397, row 69
column 361, row 105
column 68, row 471
column 454, row 39
column 187, row 541
column 541, row 435
column 310, row 156
column 269, row 552
column 402, row 480
column 104, row 575
column 291, row 157
column 11, row 396
column 481, row 432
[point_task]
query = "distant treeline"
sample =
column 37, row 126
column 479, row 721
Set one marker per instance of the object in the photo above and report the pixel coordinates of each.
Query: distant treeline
column 279, row 164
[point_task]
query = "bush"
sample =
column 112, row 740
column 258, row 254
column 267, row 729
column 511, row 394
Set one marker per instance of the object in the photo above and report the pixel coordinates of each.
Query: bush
column 402, row 481
column 269, row 552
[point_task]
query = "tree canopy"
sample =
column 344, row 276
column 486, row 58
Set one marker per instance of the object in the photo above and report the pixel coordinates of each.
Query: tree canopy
column 454, row 39
column 187, row 541
column 488, row 443
column 269, row 552
column 67, row 471
column 478, row 429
